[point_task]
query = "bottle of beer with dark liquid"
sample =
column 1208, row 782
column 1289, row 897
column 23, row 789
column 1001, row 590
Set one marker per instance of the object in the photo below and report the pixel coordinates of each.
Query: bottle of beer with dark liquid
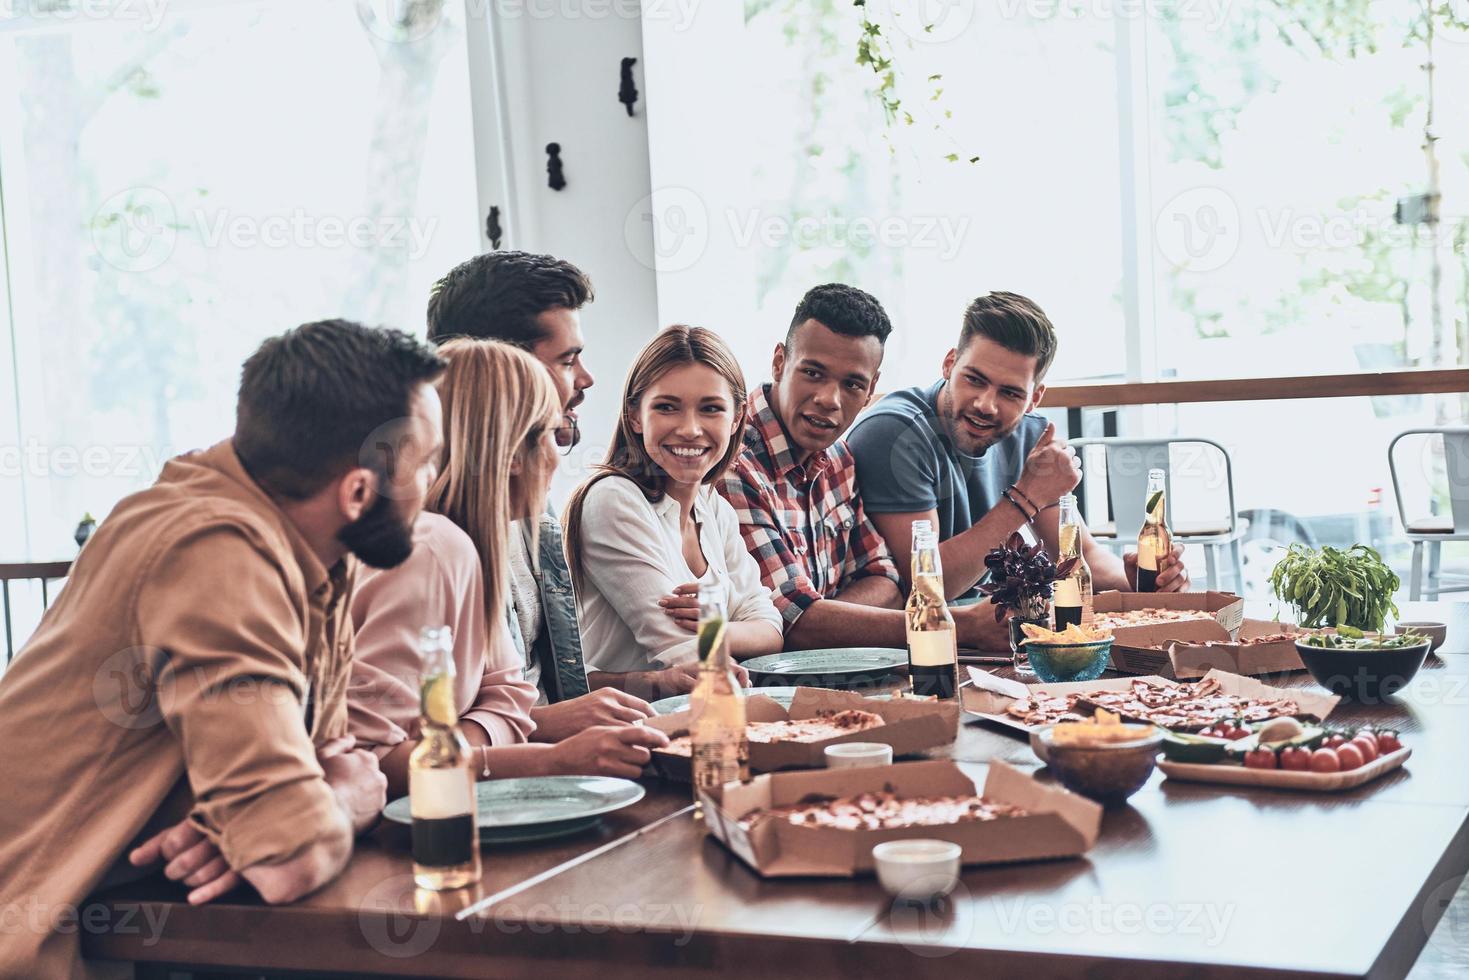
column 1074, row 592
column 933, row 649
column 441, row 795
column 1153, row 541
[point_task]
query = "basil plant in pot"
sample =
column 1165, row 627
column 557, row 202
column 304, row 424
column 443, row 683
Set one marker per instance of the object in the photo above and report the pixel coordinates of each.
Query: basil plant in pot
column 1332, row 587
column 1021, row 580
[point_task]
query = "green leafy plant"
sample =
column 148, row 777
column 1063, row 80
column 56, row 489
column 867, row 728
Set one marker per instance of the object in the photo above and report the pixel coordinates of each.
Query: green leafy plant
column 1331, row 587
column 875, row 51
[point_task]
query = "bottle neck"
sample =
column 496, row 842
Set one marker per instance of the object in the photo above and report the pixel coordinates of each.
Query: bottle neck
column 1069, row 538
column 930, row 585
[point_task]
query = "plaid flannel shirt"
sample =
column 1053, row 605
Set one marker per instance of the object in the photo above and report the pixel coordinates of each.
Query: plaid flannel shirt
column 803, row 524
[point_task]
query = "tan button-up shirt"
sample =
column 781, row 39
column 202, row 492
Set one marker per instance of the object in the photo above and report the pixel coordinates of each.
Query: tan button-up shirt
column 199, row 651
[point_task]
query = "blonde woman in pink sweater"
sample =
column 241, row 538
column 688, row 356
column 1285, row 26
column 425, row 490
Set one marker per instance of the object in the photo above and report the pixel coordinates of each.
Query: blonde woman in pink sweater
column 500, row 415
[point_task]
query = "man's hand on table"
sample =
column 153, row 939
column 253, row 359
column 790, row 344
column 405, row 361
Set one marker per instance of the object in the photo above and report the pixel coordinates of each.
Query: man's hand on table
column 976, row 627
column 605, row 706
column 192, row 858
column 684, row 678
column 606, row 751
column 353, row 774
column 1172, row 576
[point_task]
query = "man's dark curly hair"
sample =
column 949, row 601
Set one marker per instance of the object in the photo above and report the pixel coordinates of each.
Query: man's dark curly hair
column 498, row 295
column 844, row 309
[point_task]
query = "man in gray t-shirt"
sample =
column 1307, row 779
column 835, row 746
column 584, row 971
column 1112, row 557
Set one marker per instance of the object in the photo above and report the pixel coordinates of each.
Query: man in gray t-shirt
column 967, row 454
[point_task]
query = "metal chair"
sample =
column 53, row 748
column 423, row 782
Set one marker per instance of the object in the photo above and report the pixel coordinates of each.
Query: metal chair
column 1434, row 529
column 45, row 572
column 1127, row 462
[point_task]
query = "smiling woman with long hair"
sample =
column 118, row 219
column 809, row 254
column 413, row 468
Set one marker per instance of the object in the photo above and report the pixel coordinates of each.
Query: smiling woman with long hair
column 648, row 528
column 500, row 414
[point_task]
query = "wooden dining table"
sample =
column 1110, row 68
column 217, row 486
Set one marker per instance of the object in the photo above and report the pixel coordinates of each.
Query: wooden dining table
column 1186, row 879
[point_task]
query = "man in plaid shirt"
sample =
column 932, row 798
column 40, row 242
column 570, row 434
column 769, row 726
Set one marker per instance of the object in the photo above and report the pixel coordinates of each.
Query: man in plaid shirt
column 794, row 484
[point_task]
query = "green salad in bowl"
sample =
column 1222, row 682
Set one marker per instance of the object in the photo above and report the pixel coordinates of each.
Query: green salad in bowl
column 1351, row 638
column 1361, row 666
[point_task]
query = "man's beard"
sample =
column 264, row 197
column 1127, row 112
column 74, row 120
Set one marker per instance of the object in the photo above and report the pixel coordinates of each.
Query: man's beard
column 379, row 537
column 967, row 443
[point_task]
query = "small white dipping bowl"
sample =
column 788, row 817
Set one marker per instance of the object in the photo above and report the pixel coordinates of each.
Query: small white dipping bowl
column 856, row 755
column 918, row 869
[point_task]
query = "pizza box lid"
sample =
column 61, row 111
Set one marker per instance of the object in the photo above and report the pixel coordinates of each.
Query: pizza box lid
column 1191, row 660
column 1059, row 823
column 909, row 726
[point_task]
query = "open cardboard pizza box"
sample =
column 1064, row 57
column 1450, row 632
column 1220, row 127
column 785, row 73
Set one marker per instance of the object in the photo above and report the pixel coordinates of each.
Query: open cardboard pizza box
column 1058, row 823
column 908, row 726
column 1187, row 660
column 1140, row 649
column 989, row 696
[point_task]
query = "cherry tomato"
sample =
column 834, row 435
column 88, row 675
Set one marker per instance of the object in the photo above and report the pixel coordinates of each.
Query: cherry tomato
column 1332, row 741
column 1325, row 760
column 1209, row 733
column 1388, row 742
column 1235, row 734
column 1368, row 747
column 1350, row 756
column 1368, row 734
column 1296, row 757
column 1260, row 759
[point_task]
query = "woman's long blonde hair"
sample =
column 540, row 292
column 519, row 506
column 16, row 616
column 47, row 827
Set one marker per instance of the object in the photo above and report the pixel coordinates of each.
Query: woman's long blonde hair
column 675, row 347
column 499, row 402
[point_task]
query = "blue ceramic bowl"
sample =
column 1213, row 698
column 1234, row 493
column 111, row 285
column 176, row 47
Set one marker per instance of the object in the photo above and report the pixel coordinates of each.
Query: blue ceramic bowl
column 1056, row 663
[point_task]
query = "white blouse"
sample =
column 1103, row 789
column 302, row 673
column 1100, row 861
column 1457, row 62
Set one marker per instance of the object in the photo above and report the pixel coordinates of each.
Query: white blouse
column 632, row 556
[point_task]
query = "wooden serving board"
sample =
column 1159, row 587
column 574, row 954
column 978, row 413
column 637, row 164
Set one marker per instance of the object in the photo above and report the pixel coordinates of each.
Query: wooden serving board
column 1319, row 782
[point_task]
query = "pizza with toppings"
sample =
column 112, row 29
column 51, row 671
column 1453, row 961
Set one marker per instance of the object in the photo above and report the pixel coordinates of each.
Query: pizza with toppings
column 884, row 811
column 1255, row 641
column 1181, row 707
column 1148, row 617
column 817, row 729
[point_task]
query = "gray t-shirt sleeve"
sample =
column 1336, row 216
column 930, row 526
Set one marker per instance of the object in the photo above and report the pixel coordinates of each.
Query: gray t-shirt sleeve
column 897, row 464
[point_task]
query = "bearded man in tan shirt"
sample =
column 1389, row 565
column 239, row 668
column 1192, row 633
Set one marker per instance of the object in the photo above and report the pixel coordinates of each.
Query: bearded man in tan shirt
column 196, row 663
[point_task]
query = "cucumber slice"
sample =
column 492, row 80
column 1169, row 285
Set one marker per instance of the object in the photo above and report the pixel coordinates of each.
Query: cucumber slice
column 1194, row 748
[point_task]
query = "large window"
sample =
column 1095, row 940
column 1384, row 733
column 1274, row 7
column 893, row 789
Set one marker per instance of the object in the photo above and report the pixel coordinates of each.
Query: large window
column 183, row 180
column 1190, row 190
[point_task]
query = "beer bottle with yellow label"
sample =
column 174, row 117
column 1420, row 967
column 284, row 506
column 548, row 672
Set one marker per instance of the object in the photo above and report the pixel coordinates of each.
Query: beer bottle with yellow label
column 1074, row 592
column 933, row 650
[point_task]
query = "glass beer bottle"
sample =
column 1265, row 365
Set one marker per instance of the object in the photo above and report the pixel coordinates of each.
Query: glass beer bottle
column 721, row 750
column 1153, row 541
column 441, row 795
column 933, row 648
column 1074, row 592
